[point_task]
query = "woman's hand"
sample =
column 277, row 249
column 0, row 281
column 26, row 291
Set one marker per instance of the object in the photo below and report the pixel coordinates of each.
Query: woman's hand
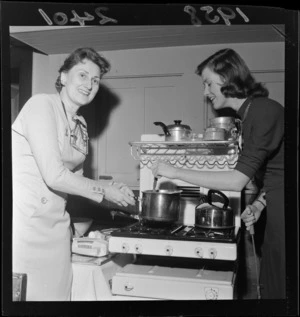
column 119, row 194
column 250, row 215
column 163, row 169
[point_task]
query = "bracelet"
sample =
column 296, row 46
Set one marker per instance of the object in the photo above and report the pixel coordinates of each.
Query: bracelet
column 261, row 202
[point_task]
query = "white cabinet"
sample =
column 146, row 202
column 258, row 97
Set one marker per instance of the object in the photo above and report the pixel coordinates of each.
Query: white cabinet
column 139, row 102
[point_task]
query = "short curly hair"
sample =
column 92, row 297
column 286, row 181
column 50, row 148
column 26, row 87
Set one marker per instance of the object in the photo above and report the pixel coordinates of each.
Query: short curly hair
column 78, row 56
column 239, row 82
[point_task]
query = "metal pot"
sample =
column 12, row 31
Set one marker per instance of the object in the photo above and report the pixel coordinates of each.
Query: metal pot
column 157, row 206
column 176, row 132
column 161, row 205
column 214, row 216
column 216, row 134
column 230, row 124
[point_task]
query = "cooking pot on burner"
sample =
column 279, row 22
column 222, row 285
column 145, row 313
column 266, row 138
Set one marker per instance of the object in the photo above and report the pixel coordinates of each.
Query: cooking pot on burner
column 161, row 205
column 214, row 215
column 157, row 206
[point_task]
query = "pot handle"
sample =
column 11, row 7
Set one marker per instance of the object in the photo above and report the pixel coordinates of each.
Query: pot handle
column 165, row 128
column 238, row 124
column 122, row 213
column 220, row 194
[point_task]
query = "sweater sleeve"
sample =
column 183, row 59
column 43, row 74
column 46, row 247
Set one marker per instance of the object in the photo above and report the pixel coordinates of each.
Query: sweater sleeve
column 39, row 128
column 263, row 134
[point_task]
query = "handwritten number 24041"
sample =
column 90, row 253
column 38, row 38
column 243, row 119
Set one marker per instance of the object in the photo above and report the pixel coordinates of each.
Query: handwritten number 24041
column 226, row 13
column 61, row 18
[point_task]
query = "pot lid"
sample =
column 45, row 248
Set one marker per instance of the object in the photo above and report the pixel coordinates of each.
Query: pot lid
column 178, row 126
column 163, row 191
column 223, row 119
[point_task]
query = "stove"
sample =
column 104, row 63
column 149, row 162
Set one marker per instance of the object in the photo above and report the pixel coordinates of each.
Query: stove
column 179, row 260
column 176, row 240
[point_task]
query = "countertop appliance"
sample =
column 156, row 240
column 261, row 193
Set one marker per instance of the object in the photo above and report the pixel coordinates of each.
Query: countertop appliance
column 90, row 246
column 182, row 239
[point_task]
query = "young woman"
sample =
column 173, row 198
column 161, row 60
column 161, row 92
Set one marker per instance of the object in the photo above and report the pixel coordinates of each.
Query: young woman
column 49, row 146
column 228, row 83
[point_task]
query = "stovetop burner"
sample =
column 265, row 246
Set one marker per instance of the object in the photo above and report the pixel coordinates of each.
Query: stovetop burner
column 175, row 231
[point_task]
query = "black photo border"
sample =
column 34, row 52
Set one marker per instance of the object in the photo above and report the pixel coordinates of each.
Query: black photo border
column 26, row 13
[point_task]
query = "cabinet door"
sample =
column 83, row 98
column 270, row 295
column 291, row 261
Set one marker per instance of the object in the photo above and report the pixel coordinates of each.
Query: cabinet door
column 125, row 125
column 140, row 102
column 274, row 81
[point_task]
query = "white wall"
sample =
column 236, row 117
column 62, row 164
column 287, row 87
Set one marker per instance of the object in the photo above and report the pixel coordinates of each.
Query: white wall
column 153, row 61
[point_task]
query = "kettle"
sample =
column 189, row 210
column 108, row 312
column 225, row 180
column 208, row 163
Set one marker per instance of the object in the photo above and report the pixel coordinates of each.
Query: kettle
column 214, row 215
column 176, row 132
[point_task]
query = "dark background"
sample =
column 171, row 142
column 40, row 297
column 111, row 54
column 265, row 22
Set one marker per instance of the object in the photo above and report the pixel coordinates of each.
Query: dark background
column 26, row 13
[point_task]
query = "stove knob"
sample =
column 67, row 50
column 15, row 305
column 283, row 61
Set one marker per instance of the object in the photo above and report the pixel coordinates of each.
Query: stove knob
column 168, row 250
column 212, row 253
column 211, row 293
column 125, row 247
column 199, row 252
column 138, row 248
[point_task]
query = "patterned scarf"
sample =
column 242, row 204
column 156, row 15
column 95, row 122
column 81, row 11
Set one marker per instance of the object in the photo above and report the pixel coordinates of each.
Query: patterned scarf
column 79, row 136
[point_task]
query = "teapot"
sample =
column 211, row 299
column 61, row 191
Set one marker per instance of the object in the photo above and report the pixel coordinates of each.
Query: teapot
column 176, row 132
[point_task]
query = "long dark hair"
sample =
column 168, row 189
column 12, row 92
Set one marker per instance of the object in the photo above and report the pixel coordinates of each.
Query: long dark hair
column 78, row 56
column 239, row 83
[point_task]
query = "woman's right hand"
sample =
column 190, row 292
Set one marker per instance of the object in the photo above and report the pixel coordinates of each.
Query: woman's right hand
column 119, row 194
column 250, row 215
column 163, row 169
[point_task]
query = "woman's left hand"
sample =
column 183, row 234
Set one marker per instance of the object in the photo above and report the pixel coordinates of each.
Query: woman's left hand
column 250, row 215
column 163, row 169
column 119, row 194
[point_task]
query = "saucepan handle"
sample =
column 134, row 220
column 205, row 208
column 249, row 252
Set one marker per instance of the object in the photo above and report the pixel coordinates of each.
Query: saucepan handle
column 122, row 213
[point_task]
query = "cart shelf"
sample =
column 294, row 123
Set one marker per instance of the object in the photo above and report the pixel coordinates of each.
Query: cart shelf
column 187, row 153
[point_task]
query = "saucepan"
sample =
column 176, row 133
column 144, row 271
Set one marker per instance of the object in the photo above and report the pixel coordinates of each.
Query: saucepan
column 230, row 124
column 176, row 132
column 214, row 215
column 214, row 134
column 157, row 206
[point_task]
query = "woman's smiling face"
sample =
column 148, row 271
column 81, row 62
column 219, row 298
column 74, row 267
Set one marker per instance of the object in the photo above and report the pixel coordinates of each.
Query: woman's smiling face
column 212, row 89
column 81, row 83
